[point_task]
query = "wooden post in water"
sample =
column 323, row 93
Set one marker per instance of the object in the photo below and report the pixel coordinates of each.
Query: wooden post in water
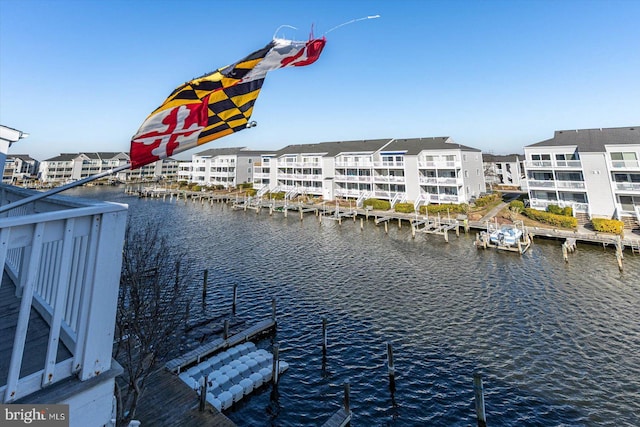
column 324, row 337
column 347, row 398
column 391, row 368
column 478, row 390
column 386, row 227
column 446, row 235
column 361, row 223
column 399, row 222
column 565, row 254
column 203, row 393
column 225, row 333
column 235, row 297
column 301, row 214
column 204, row 289
column 275, row 374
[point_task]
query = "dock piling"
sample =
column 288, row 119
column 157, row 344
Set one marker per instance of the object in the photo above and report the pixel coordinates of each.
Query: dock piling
column 273, row 310
column 347, row 398
column 276, row 364
column 226, row 329
column 391, row 368
column 235, row 297
column 478, row 390
column 204, row 289
column 324, row 337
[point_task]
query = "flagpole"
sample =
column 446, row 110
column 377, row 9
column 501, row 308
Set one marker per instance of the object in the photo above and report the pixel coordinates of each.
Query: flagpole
column 57, row 190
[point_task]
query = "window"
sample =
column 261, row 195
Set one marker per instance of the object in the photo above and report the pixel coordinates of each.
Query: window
column 466, row 173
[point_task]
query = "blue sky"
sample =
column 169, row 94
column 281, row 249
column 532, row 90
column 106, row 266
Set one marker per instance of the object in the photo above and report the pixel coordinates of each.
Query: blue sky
column 494, row 75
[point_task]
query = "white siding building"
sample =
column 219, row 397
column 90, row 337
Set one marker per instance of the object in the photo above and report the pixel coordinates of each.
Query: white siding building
column 19, row 167
column 505, row 170
column 420, row 170
column 596, row 171
column 226, row 167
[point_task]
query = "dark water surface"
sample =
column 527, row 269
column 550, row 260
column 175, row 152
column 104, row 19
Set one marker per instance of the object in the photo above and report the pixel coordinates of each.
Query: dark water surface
column 557, row 344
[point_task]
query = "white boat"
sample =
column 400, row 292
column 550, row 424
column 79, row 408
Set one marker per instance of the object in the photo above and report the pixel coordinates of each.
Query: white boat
column 507, row 235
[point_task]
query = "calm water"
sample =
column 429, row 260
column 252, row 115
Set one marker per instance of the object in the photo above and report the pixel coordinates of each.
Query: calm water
column 557, row 344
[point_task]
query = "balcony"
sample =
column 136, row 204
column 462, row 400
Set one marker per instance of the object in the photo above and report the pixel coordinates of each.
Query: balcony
column 432, row 180
column 389, row 178
column 62, row 260
column 355, row 165
column 571, row 184
column 628, row 186
column 440, row 164
column 542, row 204
column 625, row 164
column 389, row 165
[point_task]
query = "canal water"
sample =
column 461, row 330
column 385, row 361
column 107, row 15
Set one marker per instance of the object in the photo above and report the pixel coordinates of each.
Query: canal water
column 557, row 344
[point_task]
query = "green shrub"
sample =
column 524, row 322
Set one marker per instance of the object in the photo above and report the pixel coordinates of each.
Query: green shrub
column 488, row 199
column 404, row 208
column 444, row 208
column 251, row 191
column 551, row 219
column 377, row 204
column 277, row 196
column 196, row 188
column 557, row 210
column 607, row 225
column 517, row 204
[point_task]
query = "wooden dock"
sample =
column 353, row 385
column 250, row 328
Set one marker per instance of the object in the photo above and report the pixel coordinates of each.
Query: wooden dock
column 202, row 352
column 342, row 417
column 168, row 401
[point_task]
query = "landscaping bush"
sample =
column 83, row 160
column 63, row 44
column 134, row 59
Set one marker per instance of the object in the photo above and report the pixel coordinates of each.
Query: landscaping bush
column 251, row 192
column 551, row 219
column 557, row 210
column 377, row 204
column 607, row 225
column 517, row 204
column 488, row 199
column 404, row 208
column 444, row 208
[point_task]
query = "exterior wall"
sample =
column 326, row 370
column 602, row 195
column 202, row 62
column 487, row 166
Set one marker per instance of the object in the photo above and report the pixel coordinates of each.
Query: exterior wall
column 624, row 178
column 472, row 174
column 601, row 199
column 411, row 182
column 244, row 169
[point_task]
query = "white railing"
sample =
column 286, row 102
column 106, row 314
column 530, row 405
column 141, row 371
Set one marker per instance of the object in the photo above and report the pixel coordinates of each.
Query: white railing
column 539, row 164
column 625, row 164
column 439, row 164
column 388, row 178
column 388, row 164
column 64, row 258
column 628, row 186
column 361, row 198
column 352, row 164
column 570, row 184
column 538, row 183
column 543, row 204
column 568, row 164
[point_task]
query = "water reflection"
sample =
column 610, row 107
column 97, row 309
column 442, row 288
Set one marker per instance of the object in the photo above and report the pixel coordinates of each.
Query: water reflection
column 557, row 343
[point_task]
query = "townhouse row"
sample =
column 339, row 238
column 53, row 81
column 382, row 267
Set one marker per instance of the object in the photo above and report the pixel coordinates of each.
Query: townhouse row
column 420, row 170
column 595, row 171
column 69, row 167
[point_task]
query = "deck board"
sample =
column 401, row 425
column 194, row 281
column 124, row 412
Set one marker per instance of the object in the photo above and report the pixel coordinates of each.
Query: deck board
column 37, row 335
column 167, row 401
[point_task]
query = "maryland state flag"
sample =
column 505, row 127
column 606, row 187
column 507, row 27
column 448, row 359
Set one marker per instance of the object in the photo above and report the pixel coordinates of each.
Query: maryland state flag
column 216, row 104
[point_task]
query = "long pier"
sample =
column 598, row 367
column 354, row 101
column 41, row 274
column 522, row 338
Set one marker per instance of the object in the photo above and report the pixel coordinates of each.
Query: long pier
column 419, row 223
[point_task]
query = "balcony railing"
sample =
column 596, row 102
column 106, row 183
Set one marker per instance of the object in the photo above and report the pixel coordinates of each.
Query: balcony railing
column 543, row 204
column 388, row 165
column 571, row 184
column 355, row 165
column 389, row 178
column 625, row 164
column 628, row 186
column 431, row 180
column 439, row 164
column 64, row 258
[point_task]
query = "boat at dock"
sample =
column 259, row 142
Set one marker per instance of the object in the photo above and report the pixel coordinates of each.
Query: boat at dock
column 506, row 235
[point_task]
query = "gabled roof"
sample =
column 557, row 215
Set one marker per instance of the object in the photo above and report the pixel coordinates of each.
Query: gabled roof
column 63, row 157
column 592, row 140
column 507, row 158
column 332, row 149
column 229, row 151
column 23, row 157
column 414, row 146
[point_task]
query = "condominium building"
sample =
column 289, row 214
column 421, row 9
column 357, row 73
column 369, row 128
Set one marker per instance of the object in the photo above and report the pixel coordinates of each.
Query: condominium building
column 74, row 166
column 19, row 167
column 227, row 167
column 420, row 170
column 507, row 170
column 596, row 171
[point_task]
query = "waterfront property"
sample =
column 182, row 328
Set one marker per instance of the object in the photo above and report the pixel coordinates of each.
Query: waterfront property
column 417, row 170
column 68, row 167
column 595, row 171
column 505, row 170
column 61, row 261
column 224, row 167
column 19, row 168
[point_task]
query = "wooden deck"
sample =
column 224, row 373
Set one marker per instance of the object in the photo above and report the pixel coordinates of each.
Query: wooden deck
column 37, row 335
column 168, row 401
column 339, row 419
